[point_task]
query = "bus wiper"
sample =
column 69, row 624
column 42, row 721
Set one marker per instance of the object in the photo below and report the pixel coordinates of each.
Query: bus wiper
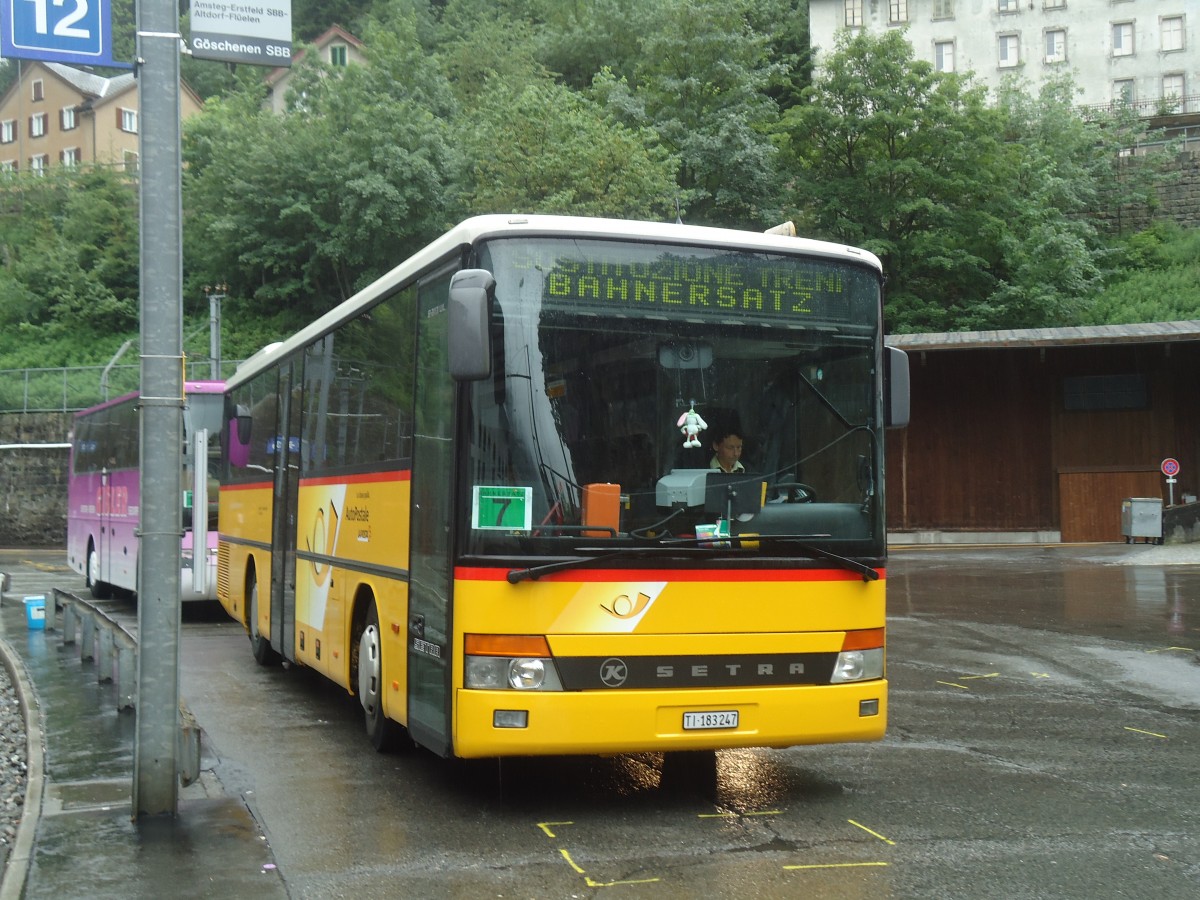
column 703, row 545
column 868, row 573
column 533, row 573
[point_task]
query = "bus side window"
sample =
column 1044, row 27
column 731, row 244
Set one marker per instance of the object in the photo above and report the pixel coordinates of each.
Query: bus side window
column 237, row 439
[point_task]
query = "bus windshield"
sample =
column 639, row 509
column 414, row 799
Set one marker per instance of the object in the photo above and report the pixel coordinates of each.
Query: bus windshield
column 626, row 373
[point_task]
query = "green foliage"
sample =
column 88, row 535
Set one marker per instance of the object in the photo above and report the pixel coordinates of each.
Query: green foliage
column 297, row 212
column 543, row 148
column 983, row 209
column 578, row 40
column 312, row 18
column 1159, row 280
column 8, row 75
column 700, row 82
column 978, row 211
column 498, row 48
column 69, row 259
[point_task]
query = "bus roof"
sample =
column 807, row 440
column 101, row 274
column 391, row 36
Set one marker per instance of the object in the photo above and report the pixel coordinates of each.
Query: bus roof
column 471, row 230
column 189, row 387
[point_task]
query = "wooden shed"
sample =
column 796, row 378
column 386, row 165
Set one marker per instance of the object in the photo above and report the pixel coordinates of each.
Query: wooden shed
column 1040, row 434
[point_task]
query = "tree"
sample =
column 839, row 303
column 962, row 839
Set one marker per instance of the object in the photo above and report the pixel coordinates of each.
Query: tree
column 975, row 211
column 478, row 48
column 543, row 148
column 699, row 83
column 297, row 212
column 578, row 40
column 68, row 261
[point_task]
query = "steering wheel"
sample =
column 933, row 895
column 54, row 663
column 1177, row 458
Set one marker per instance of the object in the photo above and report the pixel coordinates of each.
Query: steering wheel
column 797, row 491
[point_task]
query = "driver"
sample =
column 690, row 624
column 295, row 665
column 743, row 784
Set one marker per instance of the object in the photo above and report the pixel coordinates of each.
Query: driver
column 727, row 452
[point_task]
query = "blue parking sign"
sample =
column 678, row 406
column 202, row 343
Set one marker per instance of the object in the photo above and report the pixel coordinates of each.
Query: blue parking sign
column 69, row 31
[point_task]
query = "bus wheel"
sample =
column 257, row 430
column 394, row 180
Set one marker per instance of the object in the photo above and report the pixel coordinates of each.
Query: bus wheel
column 383, row 733
column 100, row 590
column 264, row 653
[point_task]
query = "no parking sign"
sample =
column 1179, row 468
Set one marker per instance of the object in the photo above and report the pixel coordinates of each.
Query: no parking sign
column 1170, row 468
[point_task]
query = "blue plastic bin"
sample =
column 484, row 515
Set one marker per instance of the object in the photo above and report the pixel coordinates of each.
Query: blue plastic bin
column 35, row 613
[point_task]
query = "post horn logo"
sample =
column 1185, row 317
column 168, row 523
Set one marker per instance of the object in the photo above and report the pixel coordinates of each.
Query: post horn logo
column 621, row 607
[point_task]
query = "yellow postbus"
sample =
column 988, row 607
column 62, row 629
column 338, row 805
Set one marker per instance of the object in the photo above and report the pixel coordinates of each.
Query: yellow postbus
column 484, row 496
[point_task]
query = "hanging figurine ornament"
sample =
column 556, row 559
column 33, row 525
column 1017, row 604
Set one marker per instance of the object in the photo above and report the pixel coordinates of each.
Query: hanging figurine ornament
column 691, row 425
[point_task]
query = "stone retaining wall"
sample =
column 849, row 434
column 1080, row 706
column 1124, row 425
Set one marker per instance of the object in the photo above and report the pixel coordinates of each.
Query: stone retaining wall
column 1178, row 200
column 33, row 479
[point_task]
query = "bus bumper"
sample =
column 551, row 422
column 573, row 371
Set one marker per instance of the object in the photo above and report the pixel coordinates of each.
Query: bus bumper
column 596, row 722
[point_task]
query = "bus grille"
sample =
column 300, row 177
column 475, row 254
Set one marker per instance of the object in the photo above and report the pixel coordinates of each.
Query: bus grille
column 222, row 570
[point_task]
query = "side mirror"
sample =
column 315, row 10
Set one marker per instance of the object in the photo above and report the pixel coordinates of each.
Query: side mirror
column 470, row 316
column 895, row 387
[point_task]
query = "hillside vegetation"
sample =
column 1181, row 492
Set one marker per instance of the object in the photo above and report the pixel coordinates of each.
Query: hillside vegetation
column 983, row 208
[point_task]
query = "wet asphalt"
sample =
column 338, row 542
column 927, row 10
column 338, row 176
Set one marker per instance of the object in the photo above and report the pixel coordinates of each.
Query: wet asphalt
column 79, row 838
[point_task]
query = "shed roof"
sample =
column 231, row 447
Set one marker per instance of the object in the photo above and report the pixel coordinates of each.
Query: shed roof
column 1145, row 333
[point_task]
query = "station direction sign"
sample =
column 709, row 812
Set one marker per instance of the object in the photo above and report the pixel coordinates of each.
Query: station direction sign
column 258, row 32
column 77, row 32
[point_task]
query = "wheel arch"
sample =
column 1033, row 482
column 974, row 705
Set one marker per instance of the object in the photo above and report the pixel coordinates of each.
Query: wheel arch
column 364, row 598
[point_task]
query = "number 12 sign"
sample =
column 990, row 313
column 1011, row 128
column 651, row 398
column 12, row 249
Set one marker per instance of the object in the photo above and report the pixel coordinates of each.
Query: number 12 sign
column 69, row 31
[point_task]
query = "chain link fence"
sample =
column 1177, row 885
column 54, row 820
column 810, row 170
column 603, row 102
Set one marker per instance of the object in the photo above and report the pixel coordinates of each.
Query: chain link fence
column 75, row 388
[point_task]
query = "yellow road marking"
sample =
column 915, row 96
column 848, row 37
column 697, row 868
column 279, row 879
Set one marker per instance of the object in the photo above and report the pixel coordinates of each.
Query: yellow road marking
column 870, row 832
column 1150, row 733
column 545, row 826
column 952, row 684
column 570, row 862
column 838, row 865
column 1168, row 649
column 989, row 675
column 591, row 882
column 1040, row 674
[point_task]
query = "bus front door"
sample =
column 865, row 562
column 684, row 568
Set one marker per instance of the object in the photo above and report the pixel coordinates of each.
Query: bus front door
column 284, row 515
column 429, row 610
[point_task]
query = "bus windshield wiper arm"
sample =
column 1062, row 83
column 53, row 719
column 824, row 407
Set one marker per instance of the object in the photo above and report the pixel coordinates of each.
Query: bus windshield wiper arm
column 868, row 573
column 533, row 573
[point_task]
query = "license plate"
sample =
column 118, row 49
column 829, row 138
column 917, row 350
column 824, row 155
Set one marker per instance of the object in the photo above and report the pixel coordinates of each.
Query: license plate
column 725, row 718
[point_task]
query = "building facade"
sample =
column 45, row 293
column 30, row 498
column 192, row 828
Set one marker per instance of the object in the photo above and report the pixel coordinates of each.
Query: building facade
column 1141, row 52
column 335, row 48
column 57, row 115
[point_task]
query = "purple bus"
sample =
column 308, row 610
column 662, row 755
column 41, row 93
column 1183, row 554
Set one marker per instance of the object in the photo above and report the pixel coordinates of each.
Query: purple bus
column 103, row 498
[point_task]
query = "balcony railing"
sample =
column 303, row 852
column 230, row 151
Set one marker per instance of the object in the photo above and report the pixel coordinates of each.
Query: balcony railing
column 1147, row 109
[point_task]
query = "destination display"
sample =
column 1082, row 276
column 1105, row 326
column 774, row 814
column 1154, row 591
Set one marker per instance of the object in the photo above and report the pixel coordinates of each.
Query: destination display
column 670, row 284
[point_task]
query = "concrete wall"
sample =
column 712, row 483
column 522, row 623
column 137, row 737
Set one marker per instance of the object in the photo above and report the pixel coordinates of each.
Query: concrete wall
column 33, row 479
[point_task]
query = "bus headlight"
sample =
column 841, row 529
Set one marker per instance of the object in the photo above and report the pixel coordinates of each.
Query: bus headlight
column 516, row 662
column 857, row 665
column 497, row 673
column 526, row 674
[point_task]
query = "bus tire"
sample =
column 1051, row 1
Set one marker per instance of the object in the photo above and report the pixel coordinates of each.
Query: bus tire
column 384, row 734
column 264, row 653
column 100, row 590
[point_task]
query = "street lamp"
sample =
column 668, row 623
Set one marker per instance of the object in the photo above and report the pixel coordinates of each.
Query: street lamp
column 215, row 294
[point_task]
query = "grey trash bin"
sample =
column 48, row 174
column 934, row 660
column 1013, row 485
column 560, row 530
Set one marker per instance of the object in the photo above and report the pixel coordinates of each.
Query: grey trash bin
column 1141, row 517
